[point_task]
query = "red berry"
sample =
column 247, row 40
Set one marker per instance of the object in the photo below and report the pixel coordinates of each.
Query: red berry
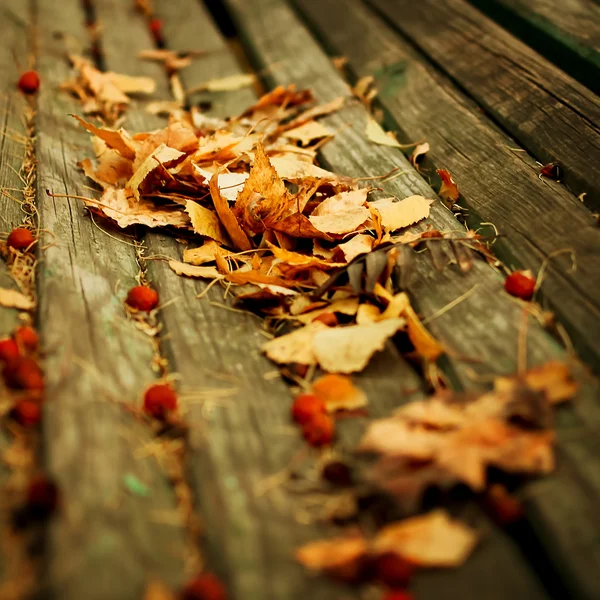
column 20, row 238
column 327, row 318
column 398, row 595
column 27, row 338
column 393, row 570
column 8, row 350
column 156, row 27
column 42, row 497
column 205, row 586
column 520, row 284
column 27, row 413
column 505, row 509
column 29, row 82
column 23, row 373
column 142, row 298
column 306, row 406
column 159, row 399
column 319, row 430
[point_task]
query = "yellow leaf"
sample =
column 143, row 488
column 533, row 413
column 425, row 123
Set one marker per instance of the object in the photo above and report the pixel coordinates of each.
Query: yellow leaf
column 15, row 299
column 205, row 222
column 396, row 215
column 378, row 136
column 425, row 344
column 182, row 268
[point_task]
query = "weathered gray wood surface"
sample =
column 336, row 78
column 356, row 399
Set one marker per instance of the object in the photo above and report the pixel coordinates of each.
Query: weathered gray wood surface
column 14, row 53
column 568, row 34
column 212, row 348
column 489, row 319
column 107, row 541
column 498, row 182
column 547, row 112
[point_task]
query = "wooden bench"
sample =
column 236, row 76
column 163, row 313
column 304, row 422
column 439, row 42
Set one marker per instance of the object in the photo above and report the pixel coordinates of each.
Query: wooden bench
column 135, row 508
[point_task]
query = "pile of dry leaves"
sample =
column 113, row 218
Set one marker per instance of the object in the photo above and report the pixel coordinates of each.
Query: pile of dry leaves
column 309, row 247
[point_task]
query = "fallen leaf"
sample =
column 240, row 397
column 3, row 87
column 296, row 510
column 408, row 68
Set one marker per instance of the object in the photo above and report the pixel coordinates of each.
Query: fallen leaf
column 339, row 393
column 205, row 222
column 228, row 219
column 377, row 135
column 295, row 347
column 338, row 556
column 122, row 208
column 230, row 83
column 264, row 198
column 131, row 85
column 359, row 244
column 349, row 349
column 418, row 153
column 117, row 140
column 449, row 190
column 308, row 132
column 431, row 540
column 15, row 299
column 342, row 213
column 398, row 214
column 230, row 184
column 425, row 344
column 160, row 157
column 205, row 253
column 182, row 268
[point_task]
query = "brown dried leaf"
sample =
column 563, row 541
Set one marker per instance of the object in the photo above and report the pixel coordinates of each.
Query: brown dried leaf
column 359, row 244
column 432, row 540
column 449, row 190
column 126, row 211
column 339, row 393
column 338, row 556
column 425, row 344
column 377, row 135
column 264, row 198
column 349, row 349
column 342, row 213
column 295, row 347
column 418, row 153
column 190, row 271
column 308, row 132
column 204, row 254
column 228, row 219
column 131, row 85
column 159, row 157
column 117, row 140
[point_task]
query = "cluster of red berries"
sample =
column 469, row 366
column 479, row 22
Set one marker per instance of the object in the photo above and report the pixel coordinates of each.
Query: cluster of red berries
column 21, row 372
column 310, row 412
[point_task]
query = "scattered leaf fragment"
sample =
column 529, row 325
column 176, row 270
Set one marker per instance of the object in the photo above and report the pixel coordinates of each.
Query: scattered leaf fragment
column 377, row 135
column 339, row 393
column 449, row 190
column 15, row 299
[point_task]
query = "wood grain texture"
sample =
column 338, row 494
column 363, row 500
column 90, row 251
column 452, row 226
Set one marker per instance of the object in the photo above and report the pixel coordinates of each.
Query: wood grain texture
column 242, row 436
column 246, row 437
column 104, row 543
column 498, row 181
column 485, row 325
column 14, row 52
column 548, row 113
column 568, row 35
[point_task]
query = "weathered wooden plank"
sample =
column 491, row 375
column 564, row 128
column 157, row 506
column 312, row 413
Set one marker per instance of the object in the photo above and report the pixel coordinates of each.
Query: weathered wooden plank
column 498, row 182
column 14, row 109
column 485, row 325
column 548, row 113
column 568, row 35
column 97, row 364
